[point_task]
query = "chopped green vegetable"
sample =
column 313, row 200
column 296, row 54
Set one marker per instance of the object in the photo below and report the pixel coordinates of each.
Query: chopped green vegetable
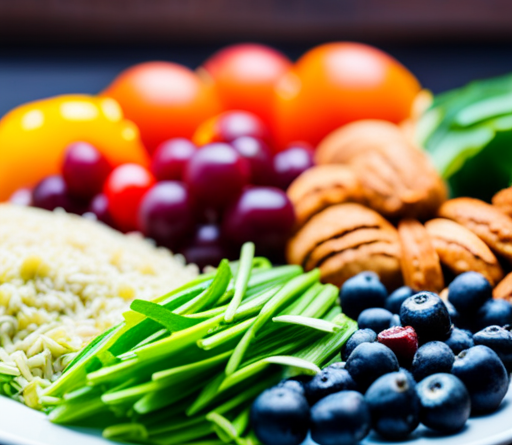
column 187, row 366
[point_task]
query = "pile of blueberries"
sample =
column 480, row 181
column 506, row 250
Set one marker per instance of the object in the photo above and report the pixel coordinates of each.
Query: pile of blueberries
column 415, row 359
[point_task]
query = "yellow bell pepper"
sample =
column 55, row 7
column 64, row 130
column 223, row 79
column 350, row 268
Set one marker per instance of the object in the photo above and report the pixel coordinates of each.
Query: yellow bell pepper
column 34, row 136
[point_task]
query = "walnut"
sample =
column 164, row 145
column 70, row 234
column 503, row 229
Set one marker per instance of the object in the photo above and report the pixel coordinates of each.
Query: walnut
column 396, row 176
column 485, row 220
column 321, row 187
column 346, row 239
column 461, row 250
column 421, row 267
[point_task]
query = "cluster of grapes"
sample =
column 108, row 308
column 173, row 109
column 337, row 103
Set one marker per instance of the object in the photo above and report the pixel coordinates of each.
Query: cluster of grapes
column 203, row 202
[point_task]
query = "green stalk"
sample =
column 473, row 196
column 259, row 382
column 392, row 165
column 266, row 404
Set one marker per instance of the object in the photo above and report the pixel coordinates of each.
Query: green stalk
column 181, row 437
column 241, row 281
column 285, row 294
column 224, row 336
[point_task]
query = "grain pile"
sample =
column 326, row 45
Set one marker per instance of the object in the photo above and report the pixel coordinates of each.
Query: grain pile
column 65, row 279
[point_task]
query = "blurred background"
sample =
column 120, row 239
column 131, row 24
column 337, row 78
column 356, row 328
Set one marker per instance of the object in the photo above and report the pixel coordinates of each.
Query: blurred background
column 50, row 47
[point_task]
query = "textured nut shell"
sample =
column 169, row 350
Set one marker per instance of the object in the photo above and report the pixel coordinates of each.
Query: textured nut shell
column 320, row 187
column 332, row 222
column 461, row 250
column 346, row 239
column 342, row 144
column 396, row 176
column 381, row 258
column 485, row 220
column 421, row 267
column 504, row 288
column 503, row 201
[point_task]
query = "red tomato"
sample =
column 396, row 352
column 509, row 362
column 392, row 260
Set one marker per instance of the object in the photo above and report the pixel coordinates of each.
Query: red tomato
column 164, row 99
column 245, row 76
column 124, row 189
column 337, row 83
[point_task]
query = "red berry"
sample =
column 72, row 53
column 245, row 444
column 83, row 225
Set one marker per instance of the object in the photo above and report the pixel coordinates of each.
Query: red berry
column 403, row 341
column 124, row 189
column 170, row 158
column 84, row 169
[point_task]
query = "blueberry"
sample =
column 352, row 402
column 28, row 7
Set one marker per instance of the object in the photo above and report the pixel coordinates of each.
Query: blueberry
column 358, row 337
column 494, row 312
column 459, row 340
column 361, row 292
column 394, row 406
column 484, row 376
column 340, row 419
column 280, row 416
column 499, row 340
column 428, row 315
column 369, row 361
column 432, row 358
column 469, row 291
column 445, row 403
column 293, row 385
column 395, row 321
column 328, row 381
column 377, row 319
column 454, row 313
column 395, row 300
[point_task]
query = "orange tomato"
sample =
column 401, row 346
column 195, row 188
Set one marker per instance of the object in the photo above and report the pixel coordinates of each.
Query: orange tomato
column 245, row 76
column 164, row 99
column 337, row 83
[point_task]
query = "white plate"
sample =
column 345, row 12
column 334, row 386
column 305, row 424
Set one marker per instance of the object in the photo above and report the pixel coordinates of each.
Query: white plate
column 20, row 425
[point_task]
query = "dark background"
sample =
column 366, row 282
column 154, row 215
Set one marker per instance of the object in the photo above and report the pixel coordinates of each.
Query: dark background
column 50, row 47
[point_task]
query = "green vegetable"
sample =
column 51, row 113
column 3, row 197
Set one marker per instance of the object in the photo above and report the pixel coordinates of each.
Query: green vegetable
column 468, row 133
column 187, row 366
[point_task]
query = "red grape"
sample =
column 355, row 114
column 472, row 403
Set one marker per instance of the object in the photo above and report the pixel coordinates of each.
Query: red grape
column 216, row 174
column 257, row 152
column 84, row 169
column 21, row 197
column 263, row 215
column 170, row 159
column 233, row 124
column 207, row 247
column 99, row 207
column 124, row 189
column 52, row 192
column 290, row 163
column 166, row 214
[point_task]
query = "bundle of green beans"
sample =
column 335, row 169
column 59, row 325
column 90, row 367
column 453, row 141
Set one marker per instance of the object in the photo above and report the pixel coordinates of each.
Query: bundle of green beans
column 184, row 368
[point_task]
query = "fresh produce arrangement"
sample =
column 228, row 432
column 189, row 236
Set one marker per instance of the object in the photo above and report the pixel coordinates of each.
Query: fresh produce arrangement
column 201, row 354
column 415, row 359
column 231, row 137
column 389, row 206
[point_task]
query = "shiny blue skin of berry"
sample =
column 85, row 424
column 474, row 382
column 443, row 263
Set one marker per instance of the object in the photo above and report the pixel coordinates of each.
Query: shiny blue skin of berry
column 327, row 382
column 377, row 319
column 396, row 298
column 394, row 406
column 363, row 291
column 280, row 416
column 358, row 337
column 468, row 292
column 445, row 403
column 494, row 312
column 428, row 315
column 485, row 378
column 342, row 418
column 369, row 361
column 499, row 340
column 432, row 358
column 459, row 340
